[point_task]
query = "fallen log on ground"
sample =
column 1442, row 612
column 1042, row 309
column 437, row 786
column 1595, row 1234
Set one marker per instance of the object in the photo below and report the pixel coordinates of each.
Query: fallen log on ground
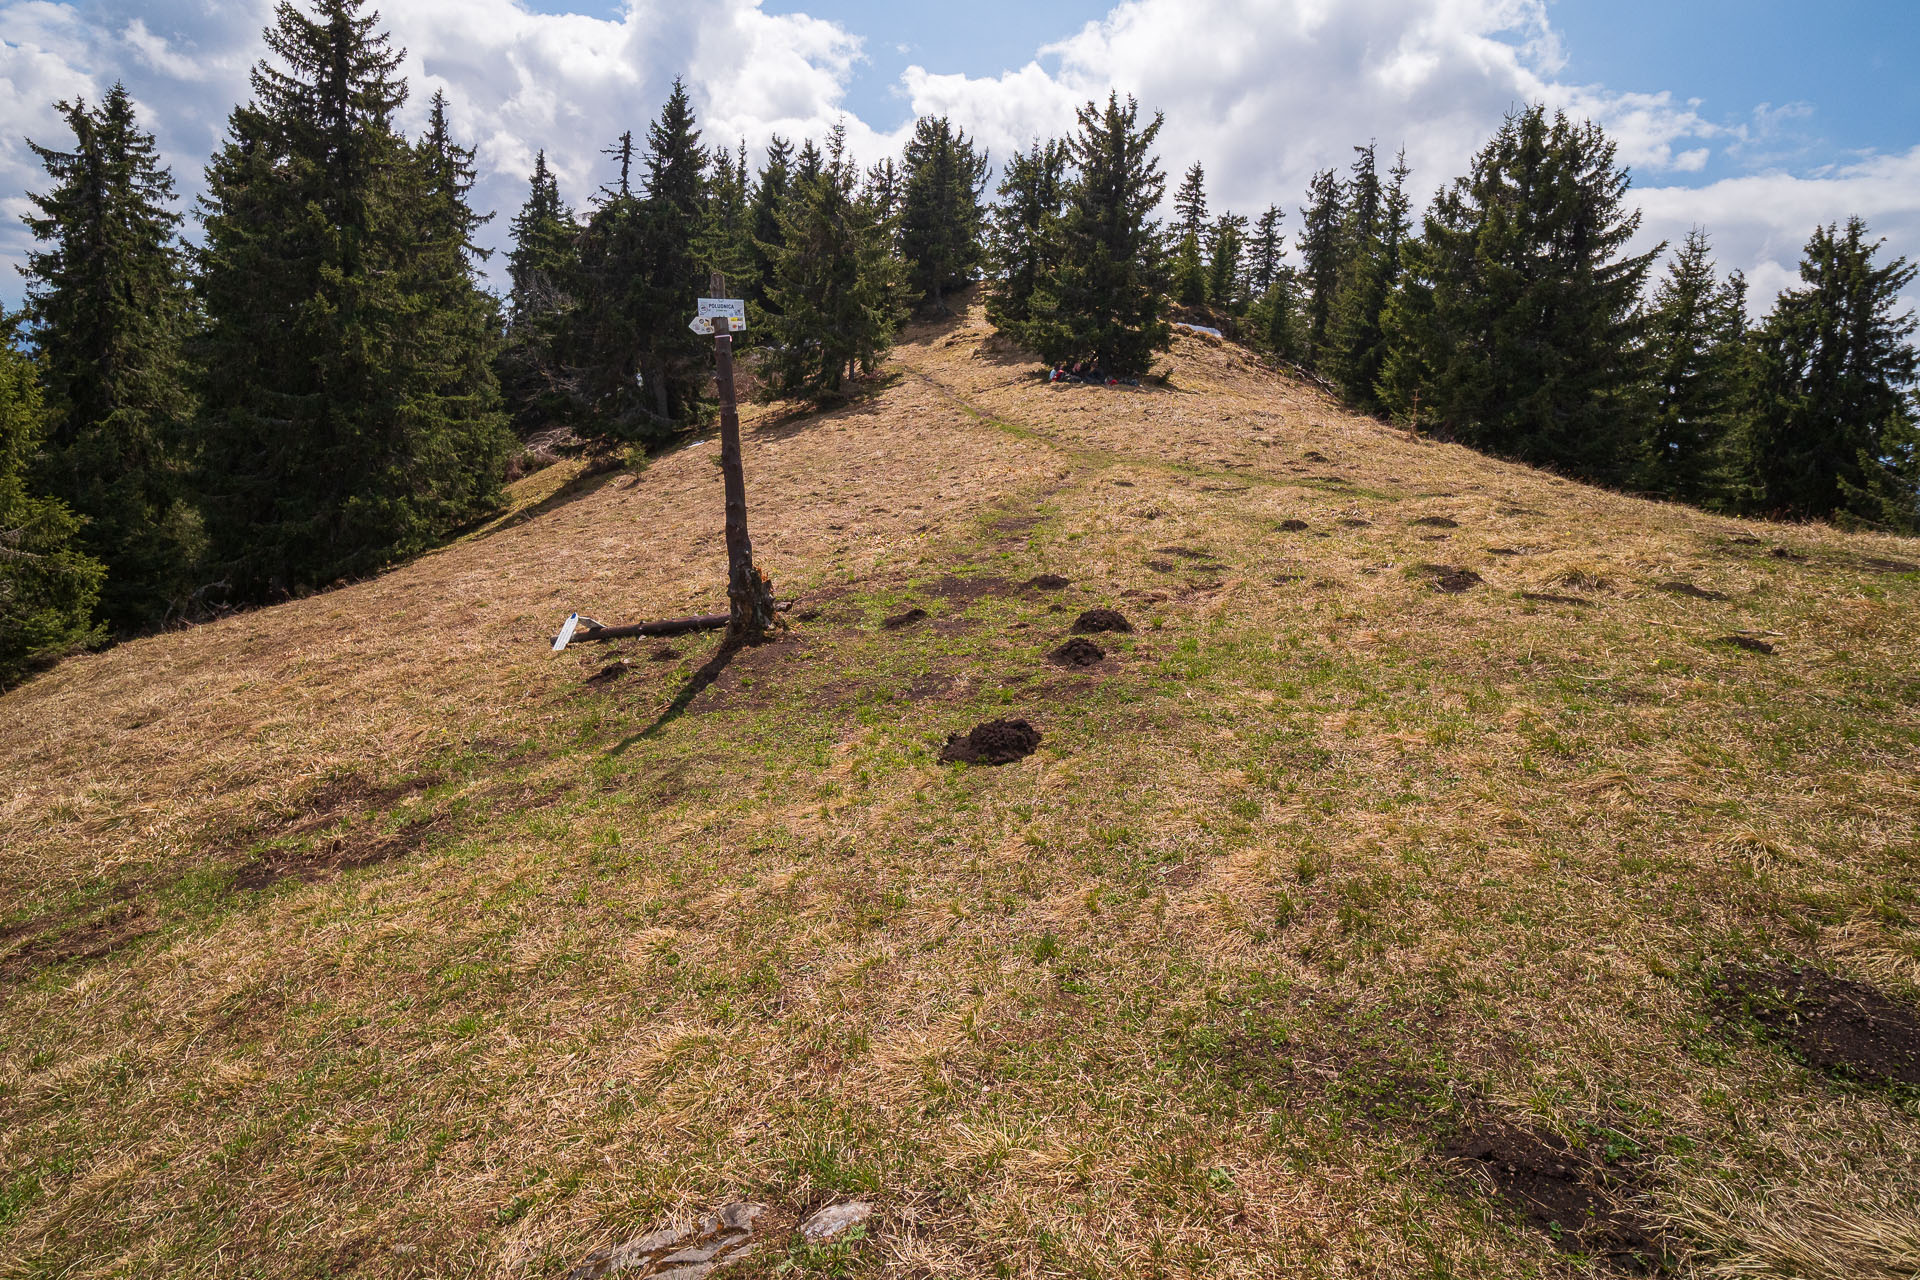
column 665, row 627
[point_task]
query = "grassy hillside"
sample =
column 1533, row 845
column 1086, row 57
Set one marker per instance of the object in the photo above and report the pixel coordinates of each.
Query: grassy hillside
column 1356, row 916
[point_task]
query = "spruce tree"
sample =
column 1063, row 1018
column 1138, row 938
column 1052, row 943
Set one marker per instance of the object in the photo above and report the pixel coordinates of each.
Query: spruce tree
column 1696, row 346
column 941, row 217
column 1190, row 204
column 48, row 587
column 605, row 342
column 1322, row 240
column 763, row 217
column 1103, row 298
column 542, row 269
column 838, row 290
column 1024, row 234
column 108, row 303
column 350, row 415
column 726, row 238
column 672, row 273
column 1266, row 252
column 1190, row 281
column 1834, row 432
column 885, row 190
column 1518, row 325
column 1226, row 247
column 1356, row 343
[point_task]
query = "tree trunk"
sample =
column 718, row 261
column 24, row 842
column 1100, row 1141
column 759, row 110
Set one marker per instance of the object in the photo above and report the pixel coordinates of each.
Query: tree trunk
column 749, row 591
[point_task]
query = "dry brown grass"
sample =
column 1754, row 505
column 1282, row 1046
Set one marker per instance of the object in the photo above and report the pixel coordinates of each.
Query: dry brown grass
column 1321, row 860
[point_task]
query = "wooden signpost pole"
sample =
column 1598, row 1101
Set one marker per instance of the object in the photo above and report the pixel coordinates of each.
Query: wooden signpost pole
column 749, row 591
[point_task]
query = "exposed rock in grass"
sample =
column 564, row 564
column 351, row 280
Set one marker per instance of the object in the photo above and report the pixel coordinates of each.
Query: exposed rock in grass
column 995, row 742
column 907, row 619
column 1834, row 1024
column 1077, row 652
column 829, row 1222
column 684, row 1253
column 1585, row 1203
column 1094, row 621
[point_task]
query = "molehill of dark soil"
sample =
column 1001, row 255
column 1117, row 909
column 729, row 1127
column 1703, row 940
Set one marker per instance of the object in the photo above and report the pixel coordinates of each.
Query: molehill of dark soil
column 1450, row 579
column 1749, row 643
column 1047, row 582
column 1293, row 526
column 1094, row 621
column 1077, row 652
column 1890, row 566
column 665, row 653
column 1687, row 589
column 611, row 672
column 1583, row 1202
column 1834, row 1024
column 1436, row 522
column 906, row 619
column 1548, row 597
column 995, row 742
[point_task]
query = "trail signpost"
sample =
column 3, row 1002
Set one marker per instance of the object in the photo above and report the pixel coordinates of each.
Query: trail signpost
column 749, row 591
column 751, row 611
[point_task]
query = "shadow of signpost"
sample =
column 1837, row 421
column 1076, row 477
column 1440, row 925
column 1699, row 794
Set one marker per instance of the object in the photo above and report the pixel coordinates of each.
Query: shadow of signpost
column 696, row 683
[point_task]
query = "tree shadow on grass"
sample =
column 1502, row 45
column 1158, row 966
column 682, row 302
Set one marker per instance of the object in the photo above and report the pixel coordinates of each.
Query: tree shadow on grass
column 696, row 684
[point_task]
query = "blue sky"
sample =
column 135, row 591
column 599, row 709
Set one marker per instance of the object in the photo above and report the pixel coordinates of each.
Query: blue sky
column 1841, row 77
column 1756, row 119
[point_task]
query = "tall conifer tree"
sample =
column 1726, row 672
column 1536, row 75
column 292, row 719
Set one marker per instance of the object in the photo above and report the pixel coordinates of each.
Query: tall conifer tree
column 673, row 276
column 1226, row 248
column 542, row 271
column 1834, row 421
column 1322, row 241
column 1024, row 233
column 1696, row 344
column 346, row 419
column 109, row 307
column 1190, row 204
column 1104, row 297
column 605, row 344
column 838, row 288
column 763, row 216
column 941, row 216
column 1265, row 252
column 1356, row 345
column 47, row 586
column 1519, row 323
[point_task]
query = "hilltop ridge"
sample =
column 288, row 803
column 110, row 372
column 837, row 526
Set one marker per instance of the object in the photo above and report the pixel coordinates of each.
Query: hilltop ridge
column 1435, row 811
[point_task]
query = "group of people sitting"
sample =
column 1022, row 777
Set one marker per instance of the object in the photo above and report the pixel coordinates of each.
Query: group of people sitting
column 1089, row 372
